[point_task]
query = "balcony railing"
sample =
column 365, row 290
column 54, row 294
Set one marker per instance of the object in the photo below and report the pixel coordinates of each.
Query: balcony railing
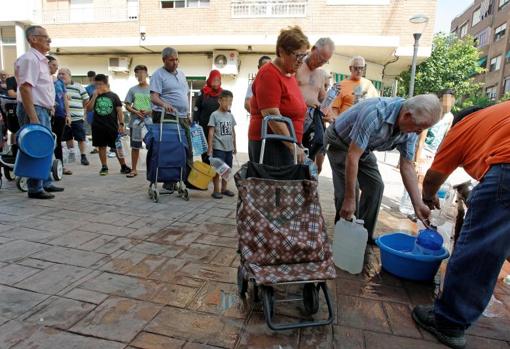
column 268, row 8
column 90, row 15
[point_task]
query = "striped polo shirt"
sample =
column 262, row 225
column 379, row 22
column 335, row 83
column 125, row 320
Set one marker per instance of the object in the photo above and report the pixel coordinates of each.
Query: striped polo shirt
column 77, row 95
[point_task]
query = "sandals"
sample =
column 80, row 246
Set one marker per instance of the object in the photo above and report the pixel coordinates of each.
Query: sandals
column 132, row 174
column 228, row 193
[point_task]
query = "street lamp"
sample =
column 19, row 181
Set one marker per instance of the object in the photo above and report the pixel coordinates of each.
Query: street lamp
column 419, row 21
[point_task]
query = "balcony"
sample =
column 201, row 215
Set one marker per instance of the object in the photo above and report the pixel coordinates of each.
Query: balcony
column 268, row 8
column 90, row 15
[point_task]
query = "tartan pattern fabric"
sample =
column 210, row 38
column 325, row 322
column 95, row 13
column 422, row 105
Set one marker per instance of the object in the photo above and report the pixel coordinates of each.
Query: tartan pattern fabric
column 282, row 234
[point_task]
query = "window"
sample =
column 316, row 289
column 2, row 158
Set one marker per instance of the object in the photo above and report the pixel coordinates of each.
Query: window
column 132, row 9
column 503, row 3
column 463, row 30
column 491, row 92
column 507, row 85
column 500, row 32
column 268, row 8
column 482, row 38
column 477, row 17
column 81, row 11
column 483, row 62
column 184, row 3
column 495, row 63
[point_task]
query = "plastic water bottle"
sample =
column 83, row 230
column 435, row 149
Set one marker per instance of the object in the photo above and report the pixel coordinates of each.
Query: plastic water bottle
column 428, row 242
column 221, row 167
column 118, row 147
column 330, row 96
column 349, row 244
column 406, row 206
column 313, row 168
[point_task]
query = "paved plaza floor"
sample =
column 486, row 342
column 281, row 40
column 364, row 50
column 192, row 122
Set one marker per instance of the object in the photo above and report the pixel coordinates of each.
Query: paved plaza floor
column 102, row 266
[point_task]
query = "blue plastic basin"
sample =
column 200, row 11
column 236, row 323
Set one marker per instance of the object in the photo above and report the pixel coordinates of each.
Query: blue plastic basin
column 397, row 258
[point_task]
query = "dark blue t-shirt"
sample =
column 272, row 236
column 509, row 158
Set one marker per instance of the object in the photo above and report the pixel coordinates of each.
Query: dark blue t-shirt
column 90, row 90
column 60, row 91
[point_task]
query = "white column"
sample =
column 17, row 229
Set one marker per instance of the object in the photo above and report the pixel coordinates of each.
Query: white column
column 21, row 43
column 2, row 63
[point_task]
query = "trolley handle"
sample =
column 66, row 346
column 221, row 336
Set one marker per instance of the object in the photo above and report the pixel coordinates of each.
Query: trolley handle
column 271, row 136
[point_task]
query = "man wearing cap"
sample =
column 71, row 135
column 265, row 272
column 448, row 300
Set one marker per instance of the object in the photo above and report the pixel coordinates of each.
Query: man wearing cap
column 36, row 97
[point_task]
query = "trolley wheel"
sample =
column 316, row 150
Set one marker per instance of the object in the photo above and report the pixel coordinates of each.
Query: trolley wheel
column 185, row 195
column 150, row 192
column 9, row 174
column 242, row 283
column 155, row 197
column 311, row 298
column 21, row 184
column 268, row 301
column 57, row 170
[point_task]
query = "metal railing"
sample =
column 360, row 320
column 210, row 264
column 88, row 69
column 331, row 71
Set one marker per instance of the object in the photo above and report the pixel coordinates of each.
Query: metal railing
column 90, row 15
column 268, row 8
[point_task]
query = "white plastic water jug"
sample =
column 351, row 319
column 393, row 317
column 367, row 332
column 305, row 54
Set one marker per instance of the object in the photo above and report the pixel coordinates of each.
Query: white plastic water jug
column 349, row 243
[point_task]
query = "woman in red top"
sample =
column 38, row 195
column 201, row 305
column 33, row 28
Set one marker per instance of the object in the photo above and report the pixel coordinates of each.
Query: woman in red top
column 276, row 92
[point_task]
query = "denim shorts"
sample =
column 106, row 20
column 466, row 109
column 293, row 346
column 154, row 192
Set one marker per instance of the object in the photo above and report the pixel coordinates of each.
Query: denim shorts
column 226, row 156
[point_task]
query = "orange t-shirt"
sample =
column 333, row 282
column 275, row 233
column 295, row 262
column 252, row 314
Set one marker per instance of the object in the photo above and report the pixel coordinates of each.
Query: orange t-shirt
column 476, row 143
column 347, row 95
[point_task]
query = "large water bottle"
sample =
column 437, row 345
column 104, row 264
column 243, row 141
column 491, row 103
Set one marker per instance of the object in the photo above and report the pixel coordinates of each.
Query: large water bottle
column 406, row 206
column 330, row 97
column 313, row 168
column 221, row 167
column 349, row 244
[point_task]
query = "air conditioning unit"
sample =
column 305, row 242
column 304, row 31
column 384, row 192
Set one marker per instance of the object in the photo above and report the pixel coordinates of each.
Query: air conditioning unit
column 119, row 64
column 227, row 62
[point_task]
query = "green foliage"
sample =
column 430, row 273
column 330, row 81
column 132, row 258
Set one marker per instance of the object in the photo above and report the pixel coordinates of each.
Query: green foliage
column 477, row 98
column 505, row 97
column 452, row 64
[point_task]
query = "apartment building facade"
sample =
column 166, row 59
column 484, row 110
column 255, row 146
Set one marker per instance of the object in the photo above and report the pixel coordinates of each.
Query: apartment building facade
column 487, row 21
column 112, row 36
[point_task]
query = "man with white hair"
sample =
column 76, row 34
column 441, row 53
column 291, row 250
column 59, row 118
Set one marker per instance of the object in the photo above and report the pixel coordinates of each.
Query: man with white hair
column 312, row 82
column 377, row 124
column 170, row 94
column 354, row 89
column 78, row 99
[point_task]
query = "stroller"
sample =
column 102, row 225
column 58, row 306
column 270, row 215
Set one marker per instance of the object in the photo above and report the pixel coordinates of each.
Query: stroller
column 166, row 156
column 282, row 234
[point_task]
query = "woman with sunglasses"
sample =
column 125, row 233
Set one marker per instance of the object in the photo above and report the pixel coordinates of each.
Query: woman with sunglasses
column 276, row 92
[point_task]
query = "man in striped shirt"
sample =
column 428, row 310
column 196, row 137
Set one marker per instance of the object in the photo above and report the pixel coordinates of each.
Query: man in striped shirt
column 78, row 100
column 377, row 124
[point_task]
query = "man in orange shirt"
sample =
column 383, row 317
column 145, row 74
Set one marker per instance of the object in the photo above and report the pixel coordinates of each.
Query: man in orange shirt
column 481, row 144
column 354, row 89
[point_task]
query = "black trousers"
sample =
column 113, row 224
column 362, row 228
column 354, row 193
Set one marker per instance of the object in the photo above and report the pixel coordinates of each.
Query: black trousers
column 57, row 127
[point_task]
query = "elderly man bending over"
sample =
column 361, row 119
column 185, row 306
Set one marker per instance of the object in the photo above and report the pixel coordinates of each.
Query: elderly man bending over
column 376, row 124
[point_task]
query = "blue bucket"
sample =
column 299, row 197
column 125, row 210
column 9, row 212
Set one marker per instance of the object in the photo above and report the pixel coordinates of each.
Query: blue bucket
column 398, row 259
column 35, row 155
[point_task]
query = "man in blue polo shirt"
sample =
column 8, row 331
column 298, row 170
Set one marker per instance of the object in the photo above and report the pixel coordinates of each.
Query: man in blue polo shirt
column 377, row 124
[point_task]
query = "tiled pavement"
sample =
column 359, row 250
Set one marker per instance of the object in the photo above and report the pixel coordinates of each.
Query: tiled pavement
column 104, row 267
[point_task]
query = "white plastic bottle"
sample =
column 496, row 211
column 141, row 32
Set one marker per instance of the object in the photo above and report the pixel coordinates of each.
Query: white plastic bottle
column 406, row 206
column 221, row 167
column 349, row 245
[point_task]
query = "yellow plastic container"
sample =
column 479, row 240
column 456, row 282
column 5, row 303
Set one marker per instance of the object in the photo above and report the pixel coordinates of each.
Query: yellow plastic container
column 201, row 174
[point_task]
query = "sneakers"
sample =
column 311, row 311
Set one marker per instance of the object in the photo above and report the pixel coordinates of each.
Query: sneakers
column 125, row 169
column 84, row 160
column 111, row 154
column 94, row 151
column 41, row 195
column 104, row 170
column 424, row 316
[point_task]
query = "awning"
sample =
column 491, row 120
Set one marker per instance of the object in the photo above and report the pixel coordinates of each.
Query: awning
column 482, row 62
column 508, row 55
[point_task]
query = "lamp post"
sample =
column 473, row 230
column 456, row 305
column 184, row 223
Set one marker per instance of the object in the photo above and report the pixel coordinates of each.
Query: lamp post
column 420, row 21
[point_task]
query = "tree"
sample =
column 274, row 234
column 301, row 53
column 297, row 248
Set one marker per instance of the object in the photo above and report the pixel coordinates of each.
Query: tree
column 453, row 64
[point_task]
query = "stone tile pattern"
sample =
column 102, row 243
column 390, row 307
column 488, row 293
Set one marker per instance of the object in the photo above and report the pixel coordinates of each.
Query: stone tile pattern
column 104, row 267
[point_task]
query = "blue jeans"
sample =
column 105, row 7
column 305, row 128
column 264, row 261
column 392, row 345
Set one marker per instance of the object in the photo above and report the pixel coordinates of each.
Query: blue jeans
column 481, row 250
column 36, row 185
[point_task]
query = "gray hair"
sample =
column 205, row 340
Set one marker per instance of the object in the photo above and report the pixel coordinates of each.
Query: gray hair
column 168, row 51
column 30, row 31
column 323, row 42
column 425, row 109
column 356, row 58
column 66, row 70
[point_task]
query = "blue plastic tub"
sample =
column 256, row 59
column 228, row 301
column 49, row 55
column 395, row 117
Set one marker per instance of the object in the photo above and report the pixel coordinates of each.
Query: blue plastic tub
column 35, row 155
column 397, row 258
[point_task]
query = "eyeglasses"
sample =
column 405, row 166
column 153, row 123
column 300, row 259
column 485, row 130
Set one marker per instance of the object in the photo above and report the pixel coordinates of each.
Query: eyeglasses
column 299, row 56
column 360, row 68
